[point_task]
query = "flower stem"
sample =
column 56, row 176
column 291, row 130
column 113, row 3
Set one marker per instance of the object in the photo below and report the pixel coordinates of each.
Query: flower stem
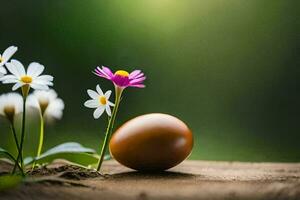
column 118, row 94
column 13, row 130
column 41, row 140
column 20, row 155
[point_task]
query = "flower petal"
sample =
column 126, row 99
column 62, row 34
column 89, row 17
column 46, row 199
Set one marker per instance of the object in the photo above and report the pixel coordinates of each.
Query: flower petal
column 91, row 103
column 99, row 90
column 111, row 104
column 42, row 82
column 138, row 76
column 138, row 80
column 134, row 74
column 10, row 81
column 16, row 68
column 9, row 52
column 55, row 109
column 93, row 94
column 17, row 85
column 108, row 111
column 3, row 70
column 8, row 77
column 138, row 85
column 35, row 69
column 37, row 86
column 98, row 112
column 32, row 101
column 107, row 71
column 101, row 73
column 45, row 77
column 107, row 94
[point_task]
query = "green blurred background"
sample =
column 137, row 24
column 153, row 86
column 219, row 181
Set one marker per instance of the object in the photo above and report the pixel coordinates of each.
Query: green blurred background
column 228, row 68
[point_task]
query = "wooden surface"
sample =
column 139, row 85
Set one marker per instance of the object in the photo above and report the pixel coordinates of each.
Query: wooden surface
column 189, row 180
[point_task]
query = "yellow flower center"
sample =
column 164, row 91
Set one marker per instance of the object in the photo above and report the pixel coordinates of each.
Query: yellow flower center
column 1, row 59
column 122, row 73
column 102, row 100
column 26, row 79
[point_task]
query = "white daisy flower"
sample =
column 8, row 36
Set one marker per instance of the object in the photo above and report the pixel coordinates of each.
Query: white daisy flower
column 99, row 101
column 7, row 54
column 31, row 78
column 48, row 103
column 10, row 105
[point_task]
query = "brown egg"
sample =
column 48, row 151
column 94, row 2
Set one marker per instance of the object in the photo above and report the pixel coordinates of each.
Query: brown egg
column 152, row 142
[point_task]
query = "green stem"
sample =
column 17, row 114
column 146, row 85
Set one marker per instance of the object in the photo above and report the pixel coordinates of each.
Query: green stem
column 41, row 140
column 13, row 130
column 110, row 127
column 20, row 155
column 12, row 158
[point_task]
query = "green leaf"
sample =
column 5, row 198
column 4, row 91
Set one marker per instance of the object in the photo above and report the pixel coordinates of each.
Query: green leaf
column 5, row 154
column 9, row 182
column 71, row 151
column 82, row 159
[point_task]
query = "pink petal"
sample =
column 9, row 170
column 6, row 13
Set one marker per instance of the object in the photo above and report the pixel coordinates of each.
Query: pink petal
column 133, row 74
column 138, row 80
column 140, row 75
column 138, row 85
column 107, row 71
column 99, row 72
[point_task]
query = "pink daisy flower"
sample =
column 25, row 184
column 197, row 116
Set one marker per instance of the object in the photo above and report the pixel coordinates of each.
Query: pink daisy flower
column 122, row 78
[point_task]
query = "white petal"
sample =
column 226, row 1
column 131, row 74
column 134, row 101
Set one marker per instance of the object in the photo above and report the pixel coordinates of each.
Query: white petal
column 108, row 111
column 32, row 101
column 98, row 112
column 42, row 82
column 8, row 77
column 55, row 109
column 57, row 114
column 99, row 90
column 39, row 86
column 52, row 95
column 111, row 104
column 16, row 68
column 58, row 104
column 11, row 99
column 45, row 78
column 10, row 81
column 35, row 69
column 2, row 70
column 9, row 52
column 107, row 94
column 91, row 103
column 17, row 85
column 93, row 94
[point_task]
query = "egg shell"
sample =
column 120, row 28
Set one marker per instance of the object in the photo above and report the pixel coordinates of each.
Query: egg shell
column 152, row 142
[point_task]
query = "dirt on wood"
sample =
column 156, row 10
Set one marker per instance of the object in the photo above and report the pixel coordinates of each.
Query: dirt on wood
column 189, row 180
